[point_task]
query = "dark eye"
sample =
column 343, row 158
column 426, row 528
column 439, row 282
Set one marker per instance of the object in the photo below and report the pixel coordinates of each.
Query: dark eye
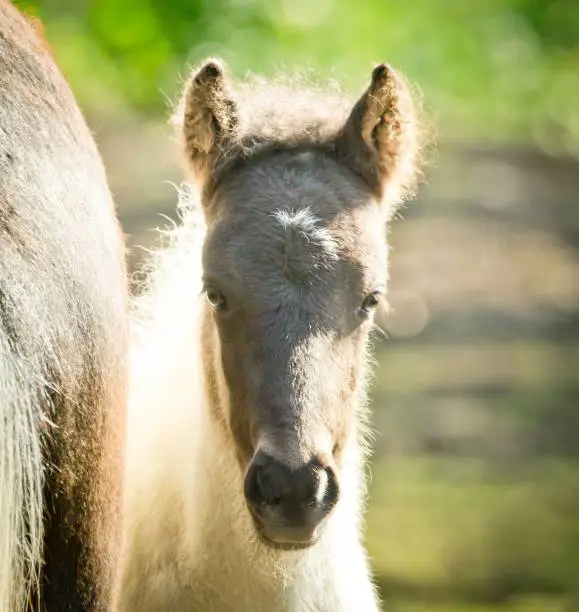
column 370, row 303
column 215, row 298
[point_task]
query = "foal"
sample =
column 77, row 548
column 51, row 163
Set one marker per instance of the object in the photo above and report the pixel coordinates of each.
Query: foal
column 247, row 423
column 63, row 342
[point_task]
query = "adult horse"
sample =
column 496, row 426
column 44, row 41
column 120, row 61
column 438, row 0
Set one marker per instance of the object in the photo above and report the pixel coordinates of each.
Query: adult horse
column 247, row 420
column 63, row 341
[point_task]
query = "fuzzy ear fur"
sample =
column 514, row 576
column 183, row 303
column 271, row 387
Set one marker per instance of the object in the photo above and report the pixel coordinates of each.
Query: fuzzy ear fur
column 379, row 139
column 210, row 119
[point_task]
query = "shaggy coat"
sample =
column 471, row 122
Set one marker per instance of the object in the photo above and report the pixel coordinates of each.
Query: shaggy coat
column 63, row 341
column 283, row 233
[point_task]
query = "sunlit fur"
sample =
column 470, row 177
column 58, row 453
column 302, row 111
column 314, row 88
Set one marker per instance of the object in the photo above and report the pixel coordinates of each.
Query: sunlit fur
column 20, row 484
column 190, row 544
column 63, row 341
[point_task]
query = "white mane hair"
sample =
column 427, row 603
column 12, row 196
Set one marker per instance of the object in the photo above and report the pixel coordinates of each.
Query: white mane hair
column 189, row 542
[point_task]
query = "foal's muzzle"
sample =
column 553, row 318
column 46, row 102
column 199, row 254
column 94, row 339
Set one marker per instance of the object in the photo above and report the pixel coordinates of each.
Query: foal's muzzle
column 289, row 505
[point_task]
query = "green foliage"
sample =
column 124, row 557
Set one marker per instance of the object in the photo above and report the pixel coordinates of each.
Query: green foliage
column 455, row 533
column 497, row 69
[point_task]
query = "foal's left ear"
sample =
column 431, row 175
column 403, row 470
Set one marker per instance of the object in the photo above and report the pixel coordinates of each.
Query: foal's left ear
column 379, row 139
column 210, row 119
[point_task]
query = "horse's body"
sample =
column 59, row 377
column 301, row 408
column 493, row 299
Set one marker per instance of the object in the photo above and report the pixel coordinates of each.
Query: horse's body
column 63, row 341
column 245, row 461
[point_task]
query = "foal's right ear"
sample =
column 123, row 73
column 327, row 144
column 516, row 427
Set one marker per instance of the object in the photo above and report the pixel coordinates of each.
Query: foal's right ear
column 210, row 119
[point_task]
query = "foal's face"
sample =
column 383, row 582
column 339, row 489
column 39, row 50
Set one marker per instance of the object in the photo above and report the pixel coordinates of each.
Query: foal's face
column 294, row 268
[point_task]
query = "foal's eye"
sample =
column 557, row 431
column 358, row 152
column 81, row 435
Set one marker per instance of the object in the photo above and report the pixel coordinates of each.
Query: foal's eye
column 215, row 298
column 370, row 303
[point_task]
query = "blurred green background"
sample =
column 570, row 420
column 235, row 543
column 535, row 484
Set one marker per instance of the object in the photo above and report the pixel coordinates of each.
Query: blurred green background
column 475, row 494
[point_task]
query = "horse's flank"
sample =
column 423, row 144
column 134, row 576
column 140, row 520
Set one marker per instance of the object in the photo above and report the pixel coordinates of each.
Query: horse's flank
column 63, row 315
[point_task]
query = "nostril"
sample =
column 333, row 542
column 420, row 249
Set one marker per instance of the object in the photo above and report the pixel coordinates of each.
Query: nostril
column 265, row 487
column 252, row 488
column 260, row 488
column 331, row 490
column 312, row 487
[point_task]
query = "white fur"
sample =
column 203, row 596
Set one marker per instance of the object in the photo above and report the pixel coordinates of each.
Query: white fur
column 190, row 545
column 20, row 484
column 304, row 221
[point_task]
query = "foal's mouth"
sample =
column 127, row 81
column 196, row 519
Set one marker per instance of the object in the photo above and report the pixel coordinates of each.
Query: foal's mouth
column 284, row 540
column 287, row 546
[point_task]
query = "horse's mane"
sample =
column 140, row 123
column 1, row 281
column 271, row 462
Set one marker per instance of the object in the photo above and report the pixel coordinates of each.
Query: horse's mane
column 177, row 256
column 287, row 110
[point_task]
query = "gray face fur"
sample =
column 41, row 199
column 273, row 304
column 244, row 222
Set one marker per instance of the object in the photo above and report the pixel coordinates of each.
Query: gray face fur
column 295, row 263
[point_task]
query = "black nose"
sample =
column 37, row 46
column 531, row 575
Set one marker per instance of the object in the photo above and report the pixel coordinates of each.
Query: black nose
column 289, row 504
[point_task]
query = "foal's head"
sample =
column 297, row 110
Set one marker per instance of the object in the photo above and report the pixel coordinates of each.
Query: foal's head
column 296, row 192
